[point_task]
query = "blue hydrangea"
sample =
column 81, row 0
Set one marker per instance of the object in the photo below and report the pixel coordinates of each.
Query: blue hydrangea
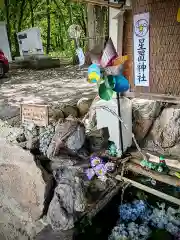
column 128, row 229
column 130, row 212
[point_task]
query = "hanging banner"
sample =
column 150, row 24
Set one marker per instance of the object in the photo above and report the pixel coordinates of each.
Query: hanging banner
column 81, row 56
column 141, row 50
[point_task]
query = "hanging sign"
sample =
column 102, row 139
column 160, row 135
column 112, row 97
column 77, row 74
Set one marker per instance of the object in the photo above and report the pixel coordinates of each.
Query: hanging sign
column 141, row 49
column 81, row 56
column 37, row 114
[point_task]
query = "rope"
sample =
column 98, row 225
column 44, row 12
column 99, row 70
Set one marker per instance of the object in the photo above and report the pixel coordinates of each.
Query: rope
column 123, row 190
column 125, row 126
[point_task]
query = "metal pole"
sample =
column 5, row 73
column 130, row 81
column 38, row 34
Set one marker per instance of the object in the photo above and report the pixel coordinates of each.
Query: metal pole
column 120, row 125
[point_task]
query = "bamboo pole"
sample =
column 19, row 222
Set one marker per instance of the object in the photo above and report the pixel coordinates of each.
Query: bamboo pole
column 171, row 171
column 152, row 174
column 170, row 162
column 154, row 96
column 173, row 163
column 150, row 190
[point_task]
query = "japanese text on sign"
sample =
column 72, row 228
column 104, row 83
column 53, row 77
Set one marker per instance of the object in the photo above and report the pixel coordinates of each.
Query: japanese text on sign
column 141, row 49
column 37, row 114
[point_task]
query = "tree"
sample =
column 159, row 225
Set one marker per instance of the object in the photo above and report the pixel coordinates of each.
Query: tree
column 48, row 27
column 6, row 4
column 32, row 12
column 53, row 17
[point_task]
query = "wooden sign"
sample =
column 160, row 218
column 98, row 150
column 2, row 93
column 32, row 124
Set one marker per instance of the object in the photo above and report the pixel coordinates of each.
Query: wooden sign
column 37, row 114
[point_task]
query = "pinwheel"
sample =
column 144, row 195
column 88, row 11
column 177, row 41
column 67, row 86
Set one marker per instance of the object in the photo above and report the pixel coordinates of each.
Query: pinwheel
column 108, row 73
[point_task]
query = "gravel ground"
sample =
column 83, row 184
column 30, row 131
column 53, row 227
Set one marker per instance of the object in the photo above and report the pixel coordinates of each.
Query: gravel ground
column 50, row 86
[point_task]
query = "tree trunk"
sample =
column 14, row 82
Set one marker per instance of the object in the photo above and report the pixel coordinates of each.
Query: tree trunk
column 61, row 42
column 48, row 27
column 32, row 12
column 6, row 3
column 21, row 14
column 70, row 14
column 22, row 7
column 61, row 15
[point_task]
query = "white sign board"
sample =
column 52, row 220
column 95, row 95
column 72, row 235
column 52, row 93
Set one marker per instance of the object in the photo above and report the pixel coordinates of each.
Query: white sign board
column 4, row 42
column 30, row 42
column 141, row 49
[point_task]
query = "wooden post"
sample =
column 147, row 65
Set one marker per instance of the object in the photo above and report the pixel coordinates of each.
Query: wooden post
column 150, row 190
column 172, row 163
column 120, row 19
column 91, row 25
column 171, row 172
column 152, row 174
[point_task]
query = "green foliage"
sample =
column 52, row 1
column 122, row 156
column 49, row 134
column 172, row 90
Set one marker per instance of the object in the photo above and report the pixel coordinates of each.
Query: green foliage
column 23, row 14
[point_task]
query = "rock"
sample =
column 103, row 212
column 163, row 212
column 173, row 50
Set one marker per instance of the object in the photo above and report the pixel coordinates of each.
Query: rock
column 173, row 151
column 15, row 121
column 144, row 114
column 9, row 133
column 70, row 111
column 55, row 114
column 32, row 143
column 22, row 192
column 164, row 137
column 76, row 139
column 30, row 130
column 8, row 112
column 166, row 129
column 21, row 138
column 22, row 144
column 98, row 139
column 63, row 160
column 45, row 137
column 70, row 134
column 91, row 122
column 69, row 198
column 83, row 105
column 165, row 133
column 48, row 233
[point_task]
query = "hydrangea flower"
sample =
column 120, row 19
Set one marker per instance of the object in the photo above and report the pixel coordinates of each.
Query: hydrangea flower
column 144, row 230
column 148, row 216
column 132, row 211
column 173, row 229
